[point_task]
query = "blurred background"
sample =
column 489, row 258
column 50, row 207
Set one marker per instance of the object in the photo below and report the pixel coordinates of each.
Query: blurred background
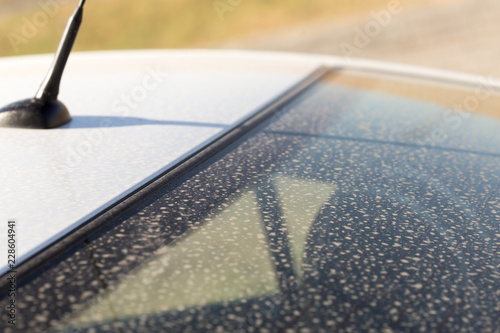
column 461, row 35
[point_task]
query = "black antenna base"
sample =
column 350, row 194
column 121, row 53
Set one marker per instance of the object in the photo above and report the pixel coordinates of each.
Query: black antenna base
column 35, row 113
column 45, row 111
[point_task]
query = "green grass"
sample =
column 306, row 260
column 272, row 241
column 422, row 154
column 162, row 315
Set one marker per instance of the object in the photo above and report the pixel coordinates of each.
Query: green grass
column 132, row 24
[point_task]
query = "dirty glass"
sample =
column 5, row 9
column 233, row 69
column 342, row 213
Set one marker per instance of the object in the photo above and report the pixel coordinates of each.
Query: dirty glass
column 351, row 209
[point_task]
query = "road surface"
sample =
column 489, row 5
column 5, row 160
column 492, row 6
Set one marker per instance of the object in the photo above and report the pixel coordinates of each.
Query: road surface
column 461, row 35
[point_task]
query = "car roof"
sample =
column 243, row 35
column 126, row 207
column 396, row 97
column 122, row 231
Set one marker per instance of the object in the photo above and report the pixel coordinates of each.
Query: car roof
column 135, row 115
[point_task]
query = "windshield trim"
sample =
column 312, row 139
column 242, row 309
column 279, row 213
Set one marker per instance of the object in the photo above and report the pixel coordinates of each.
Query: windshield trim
column 51, row 252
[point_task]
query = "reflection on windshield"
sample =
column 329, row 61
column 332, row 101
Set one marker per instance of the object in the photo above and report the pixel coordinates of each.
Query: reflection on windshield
column 225, row 257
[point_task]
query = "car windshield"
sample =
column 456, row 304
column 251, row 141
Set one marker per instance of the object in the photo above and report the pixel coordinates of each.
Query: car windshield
column 341, row 212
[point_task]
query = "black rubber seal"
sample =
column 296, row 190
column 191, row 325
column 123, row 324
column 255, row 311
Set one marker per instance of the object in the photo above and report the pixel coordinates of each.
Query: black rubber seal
column 58, row 248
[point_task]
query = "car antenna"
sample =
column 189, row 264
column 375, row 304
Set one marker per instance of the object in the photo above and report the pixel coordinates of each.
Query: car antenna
column 44, row 110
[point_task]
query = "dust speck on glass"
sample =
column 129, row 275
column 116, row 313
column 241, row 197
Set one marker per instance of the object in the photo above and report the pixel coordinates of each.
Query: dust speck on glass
column 340, row 213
